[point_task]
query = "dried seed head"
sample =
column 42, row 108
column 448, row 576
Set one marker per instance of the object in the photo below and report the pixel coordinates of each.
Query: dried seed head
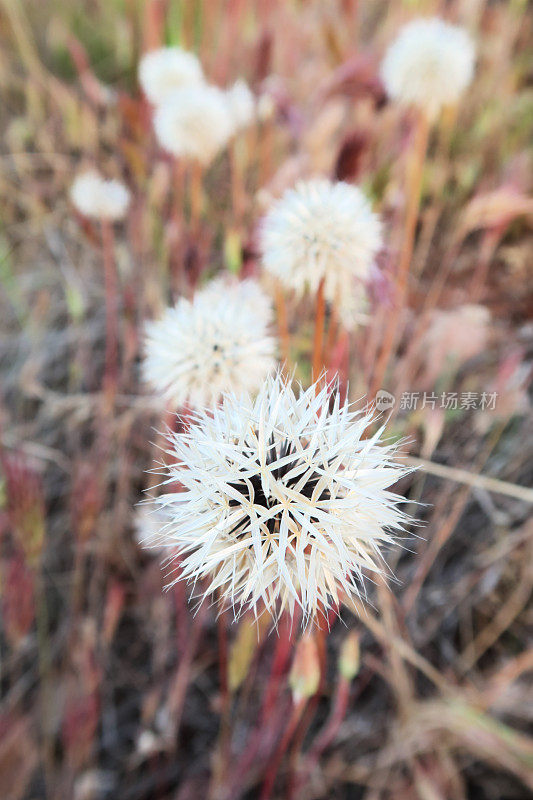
column 217, row 342
column 163, row 71
column 319, row 230
column 429, row 65
column 285, row 503
column 194, row 123
column 95, row 197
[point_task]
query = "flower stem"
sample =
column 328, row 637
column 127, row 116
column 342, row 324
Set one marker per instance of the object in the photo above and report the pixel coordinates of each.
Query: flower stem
column 266, row 149
column 178, row 189
column 111, row 293
column 414, row 187
column 285, row 740
column 333, row 330
column 283, row 325
column 318, row 341
column 325, row 737
column 224, row 739
column 238, row 193
column 196, row 194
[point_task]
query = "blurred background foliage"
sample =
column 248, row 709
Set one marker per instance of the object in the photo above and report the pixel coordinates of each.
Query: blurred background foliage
column 110, row 687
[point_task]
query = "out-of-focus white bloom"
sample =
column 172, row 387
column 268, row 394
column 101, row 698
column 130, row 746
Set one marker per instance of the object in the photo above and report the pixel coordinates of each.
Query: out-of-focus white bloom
column 95, row 197
column 321, row 230
column 284, row 502
column 248, row 292
column 241, row 104
column 194, row 123
column 217, row 342
column 163, row 71
column 93, row 783
column 429, row 64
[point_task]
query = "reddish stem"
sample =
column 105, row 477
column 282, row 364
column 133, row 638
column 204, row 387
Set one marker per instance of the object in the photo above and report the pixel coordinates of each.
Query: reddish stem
column 318, row 341
column 283, row 325
column 111, row 293
column 330, row 730
column 183, row 674
column 414, row 188
column 324, row 738
column 271, row 699
column 273, row 765
column 196, row 195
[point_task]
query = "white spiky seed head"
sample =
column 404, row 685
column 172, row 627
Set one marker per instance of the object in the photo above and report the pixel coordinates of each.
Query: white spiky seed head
column 429, row 65
column 285, row 503
column 95, row 197
column 194, row 123
column 166, row 69
column 216, row 342
column 321, row 230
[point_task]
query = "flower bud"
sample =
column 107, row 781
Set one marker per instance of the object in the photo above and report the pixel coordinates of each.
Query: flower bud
column 349, row 656
column 305, row 672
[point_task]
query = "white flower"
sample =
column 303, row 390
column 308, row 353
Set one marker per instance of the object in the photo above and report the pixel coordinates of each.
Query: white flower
column 321, row 230
column 248, row 293
column 241, row 104
column 284, row 503
column 219, row 341
column 163, row 71
column 194, row 123
column 429, row 64
column 95, row 197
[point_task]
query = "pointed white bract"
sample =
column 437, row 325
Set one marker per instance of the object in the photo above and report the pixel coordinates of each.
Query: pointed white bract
column 285, row 503
column 319, row 230
column 216, row 342
column 194, row 123
column 166, row 69
column 148, row 522
column 95, row 197
column 429, row 65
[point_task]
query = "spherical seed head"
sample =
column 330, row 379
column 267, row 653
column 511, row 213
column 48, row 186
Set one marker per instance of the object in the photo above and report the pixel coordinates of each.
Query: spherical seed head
column 98, row 198
column 285, row 503
column 194, row 123
column 219, row 341
column 319, row 230
column 241, row 104
column 429, row 65
column 163, row 71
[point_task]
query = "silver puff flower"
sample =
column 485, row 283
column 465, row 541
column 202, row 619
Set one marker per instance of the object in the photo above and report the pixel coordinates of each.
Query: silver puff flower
column 194, row 123
column 429, row 65
column 95, row 197
column 321, row 230
column 216, row 342
column 285, row 503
